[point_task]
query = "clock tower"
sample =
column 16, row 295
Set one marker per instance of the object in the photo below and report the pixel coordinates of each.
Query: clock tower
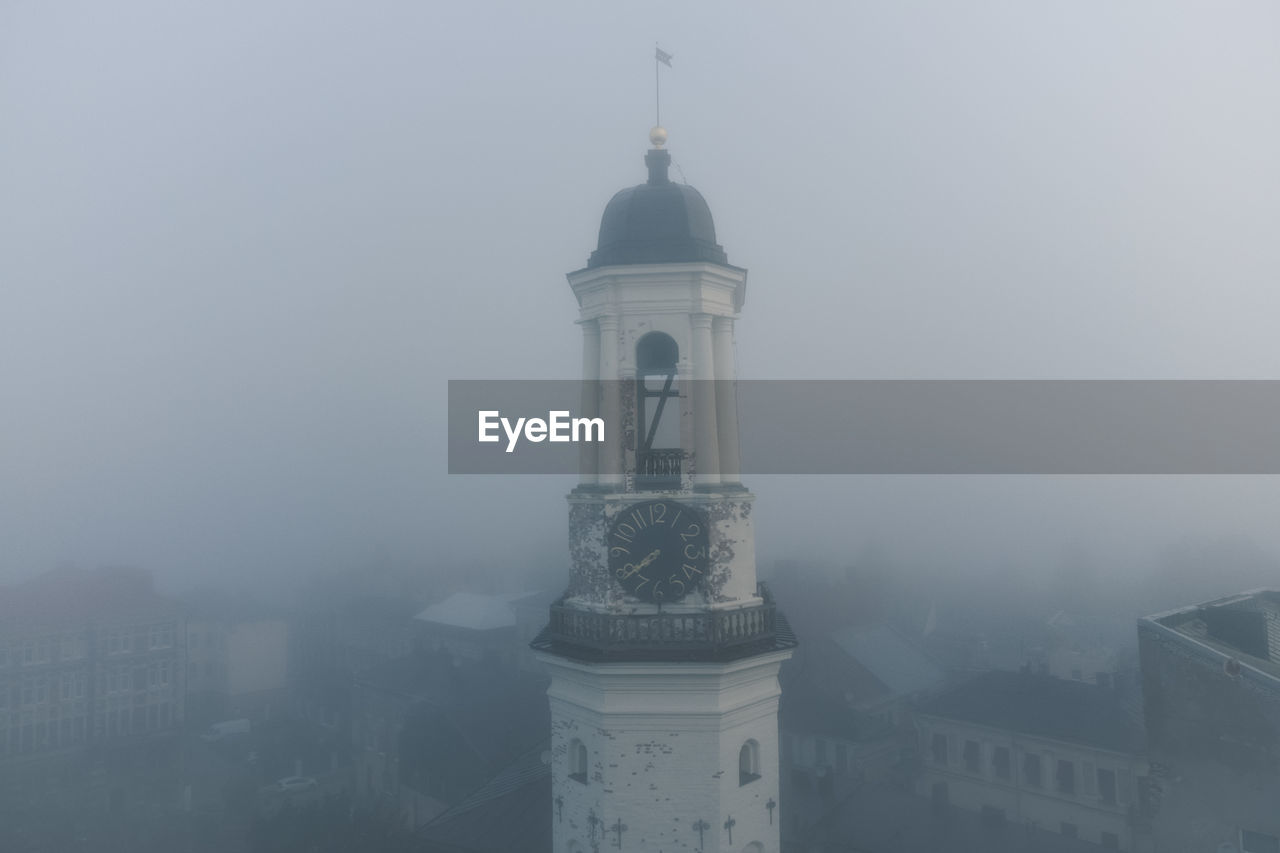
column 664, row 650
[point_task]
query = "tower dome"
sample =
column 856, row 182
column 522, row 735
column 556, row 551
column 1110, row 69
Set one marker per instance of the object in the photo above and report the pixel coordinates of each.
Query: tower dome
column 657, row 222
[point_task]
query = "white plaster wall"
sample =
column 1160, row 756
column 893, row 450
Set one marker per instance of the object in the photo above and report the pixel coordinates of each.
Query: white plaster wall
column 663, row 742
column 1043, row 806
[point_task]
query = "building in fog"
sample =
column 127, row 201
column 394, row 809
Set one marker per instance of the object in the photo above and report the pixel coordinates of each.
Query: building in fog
column 88, row 658
column 1211, row 687
column 237, row 666
column 664, row 650
column 1026, row 749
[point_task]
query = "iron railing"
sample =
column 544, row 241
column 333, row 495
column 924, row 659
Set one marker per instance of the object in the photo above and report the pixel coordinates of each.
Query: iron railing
column 659, row 469
column 713, row 631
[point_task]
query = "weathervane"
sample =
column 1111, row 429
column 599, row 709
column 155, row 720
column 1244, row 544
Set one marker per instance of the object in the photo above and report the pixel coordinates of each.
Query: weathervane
column 660, row 57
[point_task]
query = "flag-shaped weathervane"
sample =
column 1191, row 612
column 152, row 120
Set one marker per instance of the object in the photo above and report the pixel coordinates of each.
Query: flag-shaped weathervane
column 659, row 56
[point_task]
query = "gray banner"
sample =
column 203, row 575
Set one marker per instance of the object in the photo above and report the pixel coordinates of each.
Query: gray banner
column 909, row 427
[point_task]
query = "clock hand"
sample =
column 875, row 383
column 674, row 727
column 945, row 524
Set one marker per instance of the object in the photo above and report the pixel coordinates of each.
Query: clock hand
column 630, row 569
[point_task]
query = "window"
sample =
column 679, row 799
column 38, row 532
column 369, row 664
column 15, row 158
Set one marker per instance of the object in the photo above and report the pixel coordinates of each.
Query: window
column 1107, row 786
column 578, row 761
column 1070, row 830
column 972, row 756
column 1110, row 841
column 1066, row 777
column 1000, row 762
column 1031, row 770
column 992, row 816
column 748, row 763
column 940, row 797
column 819, row 751
column 940, row 748
column 1257, row 842
column 658, row 454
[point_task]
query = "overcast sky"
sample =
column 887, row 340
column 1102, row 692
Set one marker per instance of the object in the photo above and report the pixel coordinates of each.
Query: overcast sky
column 243, row 245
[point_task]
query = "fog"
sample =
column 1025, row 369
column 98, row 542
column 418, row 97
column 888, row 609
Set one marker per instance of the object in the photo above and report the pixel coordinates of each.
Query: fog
column 243, row 246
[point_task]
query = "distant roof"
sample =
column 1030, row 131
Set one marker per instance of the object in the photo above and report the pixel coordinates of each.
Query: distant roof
column 1034, row 704
column 74, row 599
column 804, row 707
column 474, row 611
column 902, row 667
column 511, row 811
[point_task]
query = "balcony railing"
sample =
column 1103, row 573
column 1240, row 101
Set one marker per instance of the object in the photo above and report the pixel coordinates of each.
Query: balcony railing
column 714, row 633
column 659, row 469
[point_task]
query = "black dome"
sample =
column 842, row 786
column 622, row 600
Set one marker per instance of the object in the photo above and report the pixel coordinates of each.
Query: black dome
column 657, row 222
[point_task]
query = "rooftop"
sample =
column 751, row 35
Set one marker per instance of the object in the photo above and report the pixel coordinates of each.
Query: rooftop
column 511, row 811
column 474, row 611
column 73, row 599
column 1245, row 627
column 899, row 665
column 1040, row 705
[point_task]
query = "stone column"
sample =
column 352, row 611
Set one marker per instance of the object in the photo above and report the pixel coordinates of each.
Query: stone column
column 726, row 399
column 589, row 453
column 610, row 461
column 706, row 447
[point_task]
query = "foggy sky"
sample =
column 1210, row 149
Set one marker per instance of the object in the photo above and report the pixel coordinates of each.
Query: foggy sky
column 244, row 245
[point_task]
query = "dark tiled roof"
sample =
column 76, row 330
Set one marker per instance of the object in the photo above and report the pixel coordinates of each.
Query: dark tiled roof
column 1035, row 704
column 474, row 729
column 73, row 599
column 1227, row 624
column 806, row 708
column 510, row 812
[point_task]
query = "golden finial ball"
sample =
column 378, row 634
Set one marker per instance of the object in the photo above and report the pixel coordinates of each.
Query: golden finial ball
column 658, row 136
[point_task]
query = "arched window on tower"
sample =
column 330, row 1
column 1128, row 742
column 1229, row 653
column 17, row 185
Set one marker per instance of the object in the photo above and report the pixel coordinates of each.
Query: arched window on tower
column 578, row 761
column 658, row 453
column 748, row 762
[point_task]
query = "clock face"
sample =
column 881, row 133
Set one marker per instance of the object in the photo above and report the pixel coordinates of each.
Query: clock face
column 658, row 550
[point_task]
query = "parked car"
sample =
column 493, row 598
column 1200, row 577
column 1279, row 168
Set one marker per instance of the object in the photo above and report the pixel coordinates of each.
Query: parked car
column 226, row 730
column 296, row 784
